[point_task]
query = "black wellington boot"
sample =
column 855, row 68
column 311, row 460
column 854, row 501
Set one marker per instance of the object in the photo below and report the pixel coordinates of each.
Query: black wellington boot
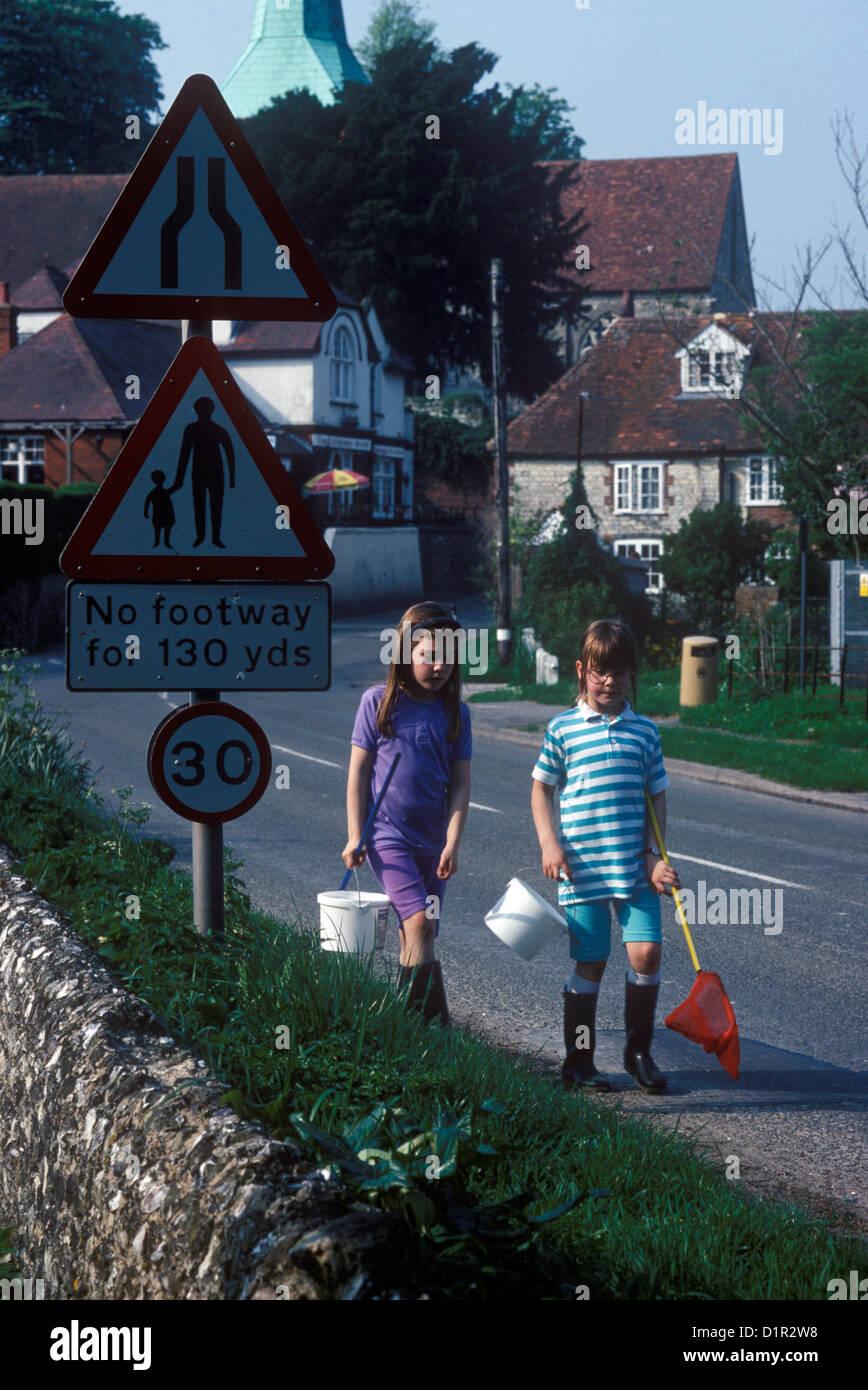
column 430, row 1002
column 578, row 1069
column 640, row 1001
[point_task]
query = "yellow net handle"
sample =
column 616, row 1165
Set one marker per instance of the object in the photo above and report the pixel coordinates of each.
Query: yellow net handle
column 658, row 835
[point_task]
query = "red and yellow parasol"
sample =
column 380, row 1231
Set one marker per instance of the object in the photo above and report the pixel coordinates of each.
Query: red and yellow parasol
column 335, row 480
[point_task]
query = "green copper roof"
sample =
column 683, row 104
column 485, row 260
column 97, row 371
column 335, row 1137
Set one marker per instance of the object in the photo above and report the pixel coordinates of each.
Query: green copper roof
column 293, row 44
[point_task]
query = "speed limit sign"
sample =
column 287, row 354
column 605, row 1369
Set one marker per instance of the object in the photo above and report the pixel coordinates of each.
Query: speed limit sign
column 209, row 762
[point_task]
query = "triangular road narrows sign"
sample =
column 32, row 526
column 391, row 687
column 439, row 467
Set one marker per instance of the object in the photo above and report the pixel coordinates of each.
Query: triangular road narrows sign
column 199, row 231
column 197, row 492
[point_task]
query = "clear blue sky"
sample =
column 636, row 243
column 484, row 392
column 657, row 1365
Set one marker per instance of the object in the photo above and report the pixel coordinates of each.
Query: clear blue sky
column 626, row 67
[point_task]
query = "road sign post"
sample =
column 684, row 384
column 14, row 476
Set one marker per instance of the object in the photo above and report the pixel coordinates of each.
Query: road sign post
column 208, row 913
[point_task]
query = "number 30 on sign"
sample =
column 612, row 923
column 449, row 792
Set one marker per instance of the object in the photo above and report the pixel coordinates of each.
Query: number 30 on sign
column 209, row 762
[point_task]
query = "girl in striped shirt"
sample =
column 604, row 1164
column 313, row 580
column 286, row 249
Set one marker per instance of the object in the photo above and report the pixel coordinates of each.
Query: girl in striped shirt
column 601, row 756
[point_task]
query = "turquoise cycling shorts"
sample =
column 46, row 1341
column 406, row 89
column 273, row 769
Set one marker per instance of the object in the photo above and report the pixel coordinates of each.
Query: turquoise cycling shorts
column 589, row 923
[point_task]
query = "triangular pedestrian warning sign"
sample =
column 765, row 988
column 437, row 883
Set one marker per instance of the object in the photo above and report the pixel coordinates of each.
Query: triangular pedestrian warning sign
column 199, row 231
column 197, row 492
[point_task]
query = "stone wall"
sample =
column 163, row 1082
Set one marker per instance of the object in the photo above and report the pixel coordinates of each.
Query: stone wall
column 125, row 1181
column 687, row 484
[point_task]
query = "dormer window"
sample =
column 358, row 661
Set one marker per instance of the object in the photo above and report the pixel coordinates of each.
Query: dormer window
column 709, row 369
column 713, row 363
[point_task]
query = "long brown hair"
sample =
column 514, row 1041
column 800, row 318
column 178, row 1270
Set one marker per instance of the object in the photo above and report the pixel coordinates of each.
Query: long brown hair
column 605, row 643
column 401, row 673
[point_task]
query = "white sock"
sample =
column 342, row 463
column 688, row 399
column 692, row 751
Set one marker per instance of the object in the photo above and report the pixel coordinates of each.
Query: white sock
column 577, row 984
column 636, row 979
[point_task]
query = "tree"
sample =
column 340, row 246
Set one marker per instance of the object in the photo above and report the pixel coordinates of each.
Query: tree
column 810, row 404
column 414, row 221
column 571, row 580
column 394, row 23
column 71, row 72
column 710, row 554
column 819, row 433
column 452, row 451
column 556, row 138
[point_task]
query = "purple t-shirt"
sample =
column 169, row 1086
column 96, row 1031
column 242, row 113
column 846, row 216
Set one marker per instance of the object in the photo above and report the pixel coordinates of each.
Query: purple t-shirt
column 413, row 811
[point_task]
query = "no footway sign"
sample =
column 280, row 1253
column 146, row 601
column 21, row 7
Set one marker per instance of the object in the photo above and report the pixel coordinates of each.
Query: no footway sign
column 198, row 636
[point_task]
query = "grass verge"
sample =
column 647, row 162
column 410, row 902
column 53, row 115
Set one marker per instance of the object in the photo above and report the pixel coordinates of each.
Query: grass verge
column 831, row 769
column 513, row 1189
column 802, row 740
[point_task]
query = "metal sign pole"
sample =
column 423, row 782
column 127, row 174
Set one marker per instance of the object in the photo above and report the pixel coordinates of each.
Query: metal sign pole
column 207, row 839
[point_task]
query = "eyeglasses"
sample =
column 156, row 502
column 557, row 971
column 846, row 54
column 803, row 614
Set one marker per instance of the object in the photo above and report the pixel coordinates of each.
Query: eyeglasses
column 619, row 676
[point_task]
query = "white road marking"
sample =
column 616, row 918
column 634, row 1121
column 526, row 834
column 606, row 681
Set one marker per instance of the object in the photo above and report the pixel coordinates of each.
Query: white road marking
column 478, row 806
column 745, row 873
column 307, row 756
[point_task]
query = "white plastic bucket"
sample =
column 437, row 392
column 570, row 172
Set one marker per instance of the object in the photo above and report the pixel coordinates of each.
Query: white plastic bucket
column 352, row 921
column 524, row 920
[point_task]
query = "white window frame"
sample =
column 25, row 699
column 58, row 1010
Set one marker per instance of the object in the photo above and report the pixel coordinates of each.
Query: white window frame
column 720, row 368
column 343, row 366
column 627, row 487
column 770, row 494
column 623, row 546
column 383, row 488
column 718, row 357
column 22, row 449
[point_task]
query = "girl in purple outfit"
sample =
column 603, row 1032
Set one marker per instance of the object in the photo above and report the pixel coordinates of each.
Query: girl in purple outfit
column 412, row 845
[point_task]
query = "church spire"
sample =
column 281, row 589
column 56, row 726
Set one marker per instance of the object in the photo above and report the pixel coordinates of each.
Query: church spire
column 293, row 44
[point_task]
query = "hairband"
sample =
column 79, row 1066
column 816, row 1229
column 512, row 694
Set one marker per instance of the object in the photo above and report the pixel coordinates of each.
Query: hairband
column 430, row 623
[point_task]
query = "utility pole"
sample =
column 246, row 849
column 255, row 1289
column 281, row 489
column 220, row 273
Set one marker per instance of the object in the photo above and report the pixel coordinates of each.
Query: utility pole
column 504, row 597
column 803, row 588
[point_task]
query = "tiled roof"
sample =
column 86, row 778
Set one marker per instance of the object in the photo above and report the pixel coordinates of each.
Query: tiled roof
column 76, row 369
column 634, row 405
column 44, row 290
column 294, row 337
column 51, row 219
column 636, row 209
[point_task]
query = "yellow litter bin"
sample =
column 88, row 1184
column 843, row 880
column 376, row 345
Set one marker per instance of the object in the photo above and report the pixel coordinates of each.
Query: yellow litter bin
column 698, row 671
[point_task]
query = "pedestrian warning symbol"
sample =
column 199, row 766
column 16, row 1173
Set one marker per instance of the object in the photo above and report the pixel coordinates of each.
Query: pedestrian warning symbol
column 197, row 492
column 199, row 231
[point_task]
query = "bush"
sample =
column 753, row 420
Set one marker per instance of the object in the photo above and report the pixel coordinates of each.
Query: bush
column 711, row 553
column 63, row 510
column 571, row 581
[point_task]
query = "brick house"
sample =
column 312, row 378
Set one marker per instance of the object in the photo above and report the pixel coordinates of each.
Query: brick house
column 661, row 429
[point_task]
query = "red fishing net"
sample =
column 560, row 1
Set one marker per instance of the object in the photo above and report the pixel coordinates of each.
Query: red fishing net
column 706, row 1017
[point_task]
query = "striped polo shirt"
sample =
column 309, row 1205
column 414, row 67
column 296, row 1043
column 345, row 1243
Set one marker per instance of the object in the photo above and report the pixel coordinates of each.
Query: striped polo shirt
column 601, row 765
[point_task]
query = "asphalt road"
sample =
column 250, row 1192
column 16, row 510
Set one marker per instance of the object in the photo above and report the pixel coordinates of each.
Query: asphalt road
column 796, row 1117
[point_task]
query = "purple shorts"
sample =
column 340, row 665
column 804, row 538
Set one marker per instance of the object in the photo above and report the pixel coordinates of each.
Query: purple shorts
column 408, row 877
